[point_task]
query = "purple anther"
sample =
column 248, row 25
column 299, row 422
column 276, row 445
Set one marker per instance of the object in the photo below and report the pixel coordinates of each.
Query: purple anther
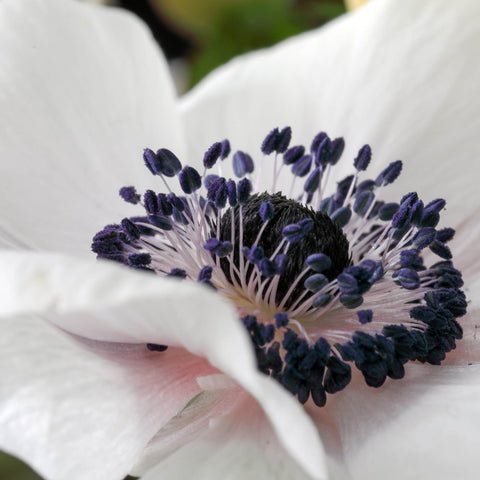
column 313, row 181
column 242, row 164
column 315, row 282
column 302, row 166
column 150, row 200
column 266, row 211
column 283, row 140
column 318, row 262
column 293, row 154
column 190, row 180
column 270, row 142
column 390, row 174
column 407, row 278
column 225, row 149
column 130, row 195
column 212, row 155
column 363, row 158
column 364, row 316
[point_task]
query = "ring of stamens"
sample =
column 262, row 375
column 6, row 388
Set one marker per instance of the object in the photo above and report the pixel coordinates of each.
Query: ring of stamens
column 320, row 282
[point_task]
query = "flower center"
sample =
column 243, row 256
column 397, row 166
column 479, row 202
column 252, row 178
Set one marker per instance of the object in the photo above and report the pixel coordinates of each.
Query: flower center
column 320, row 282
column 324, row 236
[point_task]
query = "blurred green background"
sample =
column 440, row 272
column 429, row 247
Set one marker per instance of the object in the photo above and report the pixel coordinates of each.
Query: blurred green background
column 221, row 29
column 199, row 35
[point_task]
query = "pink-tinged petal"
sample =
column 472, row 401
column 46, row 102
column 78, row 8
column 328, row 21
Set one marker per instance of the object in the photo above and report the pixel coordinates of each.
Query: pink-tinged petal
column 189, row 425
column 83, row 90
column 465, row 247
column 237, row 444
column 400, row 75
column 424, row 427
column 74, row 409
column 467, row 259
column 105, row 302
column 468, row 349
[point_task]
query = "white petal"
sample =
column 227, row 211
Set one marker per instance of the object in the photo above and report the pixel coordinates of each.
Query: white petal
column 105, row 302
column 426, row 428
column 75, row 410
column 400, row 75
column 84, row 90
column 237, row 445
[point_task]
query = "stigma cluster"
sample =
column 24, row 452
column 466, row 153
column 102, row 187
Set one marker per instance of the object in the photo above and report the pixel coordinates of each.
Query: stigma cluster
column 321, row 283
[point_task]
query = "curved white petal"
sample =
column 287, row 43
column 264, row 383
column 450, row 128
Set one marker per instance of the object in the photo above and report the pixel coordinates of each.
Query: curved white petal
column 239, row 445
column 400, row 75
column 83, row 90
column 76, row 410
column 105, row 302
column 426, row 428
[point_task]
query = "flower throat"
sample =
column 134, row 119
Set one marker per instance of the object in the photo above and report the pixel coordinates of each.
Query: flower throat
column 323, row 236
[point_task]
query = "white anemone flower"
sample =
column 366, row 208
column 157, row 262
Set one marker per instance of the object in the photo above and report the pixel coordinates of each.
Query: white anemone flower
column 83, row 90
